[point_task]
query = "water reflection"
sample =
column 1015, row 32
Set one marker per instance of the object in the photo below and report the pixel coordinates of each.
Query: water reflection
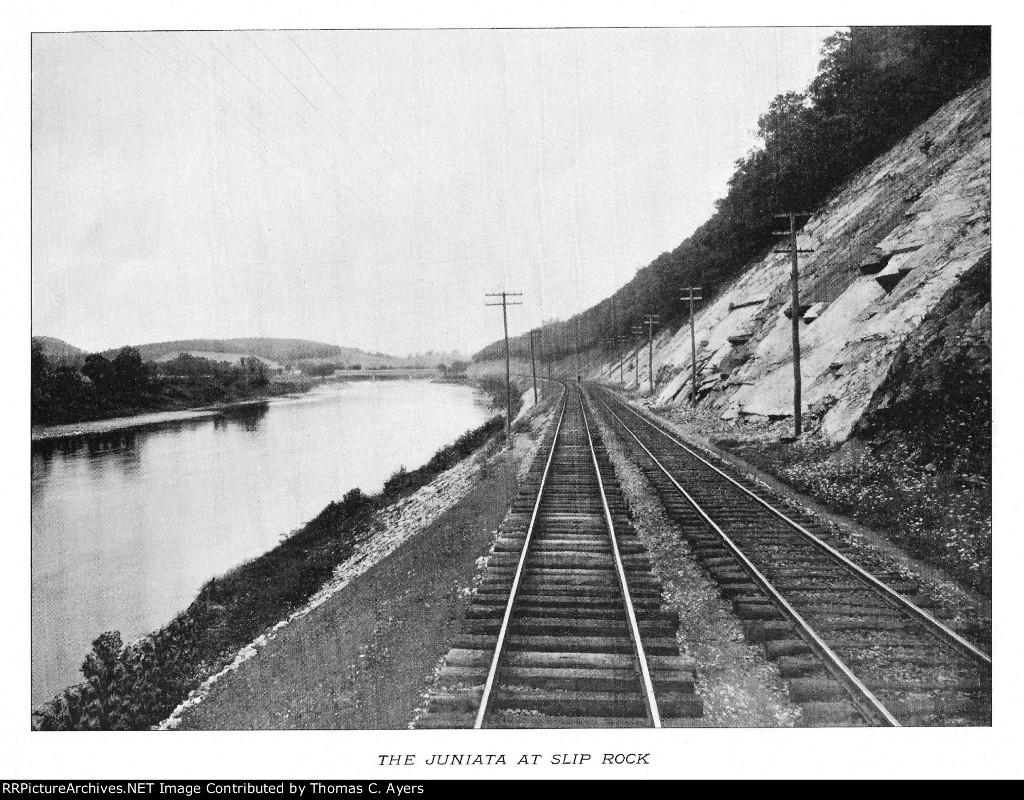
column 128, row 525
column 125, row 441
column 248, row 417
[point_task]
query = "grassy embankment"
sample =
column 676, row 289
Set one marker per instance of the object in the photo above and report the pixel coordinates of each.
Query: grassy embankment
column 136, row 686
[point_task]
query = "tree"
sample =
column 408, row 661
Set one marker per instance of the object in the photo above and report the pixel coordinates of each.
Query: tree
column 99, row 370
column 42, row 373
column 129, row 373
column 254, row 371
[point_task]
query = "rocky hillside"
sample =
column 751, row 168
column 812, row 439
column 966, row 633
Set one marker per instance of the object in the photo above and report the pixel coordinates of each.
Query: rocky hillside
column 888, row 251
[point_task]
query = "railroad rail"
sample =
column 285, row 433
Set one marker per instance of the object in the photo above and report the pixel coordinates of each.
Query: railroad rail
column 855, row 647
column 567, row 628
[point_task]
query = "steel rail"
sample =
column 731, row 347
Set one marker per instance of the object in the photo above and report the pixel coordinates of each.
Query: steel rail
column 863, row 698
column 634, row 629
column 889, row 594
column 492, row 672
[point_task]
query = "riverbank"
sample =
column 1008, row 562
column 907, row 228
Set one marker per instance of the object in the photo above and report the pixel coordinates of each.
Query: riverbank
column 137, row 422
column 136, row 686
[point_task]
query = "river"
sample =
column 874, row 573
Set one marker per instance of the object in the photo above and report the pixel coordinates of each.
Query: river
column 127, row 526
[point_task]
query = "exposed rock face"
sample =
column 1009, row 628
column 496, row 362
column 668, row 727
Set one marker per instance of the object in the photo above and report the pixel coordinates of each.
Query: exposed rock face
column 937, row 397
column 887, row 250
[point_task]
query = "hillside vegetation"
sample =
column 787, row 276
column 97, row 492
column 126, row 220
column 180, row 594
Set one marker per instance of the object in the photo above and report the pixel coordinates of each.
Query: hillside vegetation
column 58, row 351
column 874, row 86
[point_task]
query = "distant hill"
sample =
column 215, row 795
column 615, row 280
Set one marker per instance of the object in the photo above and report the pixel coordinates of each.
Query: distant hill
column 59, row 350
column 274, row 352
column 432, row 359
column 279, row 350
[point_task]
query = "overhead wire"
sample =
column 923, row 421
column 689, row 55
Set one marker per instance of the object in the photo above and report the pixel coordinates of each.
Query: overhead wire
column 331, row 125
column 286, row 154
column 299, row 154
column 164, row 89
column 372, row 135
column 262, row 91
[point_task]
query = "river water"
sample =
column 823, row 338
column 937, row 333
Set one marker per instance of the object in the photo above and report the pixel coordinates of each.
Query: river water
column 127, row 526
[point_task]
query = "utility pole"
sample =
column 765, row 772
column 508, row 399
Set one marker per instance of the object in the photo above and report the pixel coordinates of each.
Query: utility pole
column 650, row 321
column 579, row 371
column 615, row 342
column 543, row 356
column 505, row 303
column 794, row 252
column 693, row 293
column 615, row 335
column 638, row 332
column 533, row 362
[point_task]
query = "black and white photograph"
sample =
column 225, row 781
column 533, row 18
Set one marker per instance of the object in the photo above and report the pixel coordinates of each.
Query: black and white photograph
column 597, row 388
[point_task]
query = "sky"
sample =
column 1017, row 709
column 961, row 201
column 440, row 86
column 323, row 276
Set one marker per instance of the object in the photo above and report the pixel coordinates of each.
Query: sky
column 368, row 188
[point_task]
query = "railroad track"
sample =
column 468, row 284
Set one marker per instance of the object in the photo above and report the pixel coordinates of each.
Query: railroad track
column 855, row 647
column 567, row 629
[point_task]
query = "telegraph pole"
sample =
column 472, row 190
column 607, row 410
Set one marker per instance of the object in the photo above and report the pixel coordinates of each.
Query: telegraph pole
column 615, row 334
column 579, row 371
column 533, row 362
column 794, row 252
column 505, row 303
column 543, row 356
column 693, row 293
column 606, row 340
column 650, row 321
column 615, row 342
column 638, row 332
column 566, row 348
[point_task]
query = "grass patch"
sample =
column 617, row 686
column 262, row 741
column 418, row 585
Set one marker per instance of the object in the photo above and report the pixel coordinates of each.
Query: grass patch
column 941, row 517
